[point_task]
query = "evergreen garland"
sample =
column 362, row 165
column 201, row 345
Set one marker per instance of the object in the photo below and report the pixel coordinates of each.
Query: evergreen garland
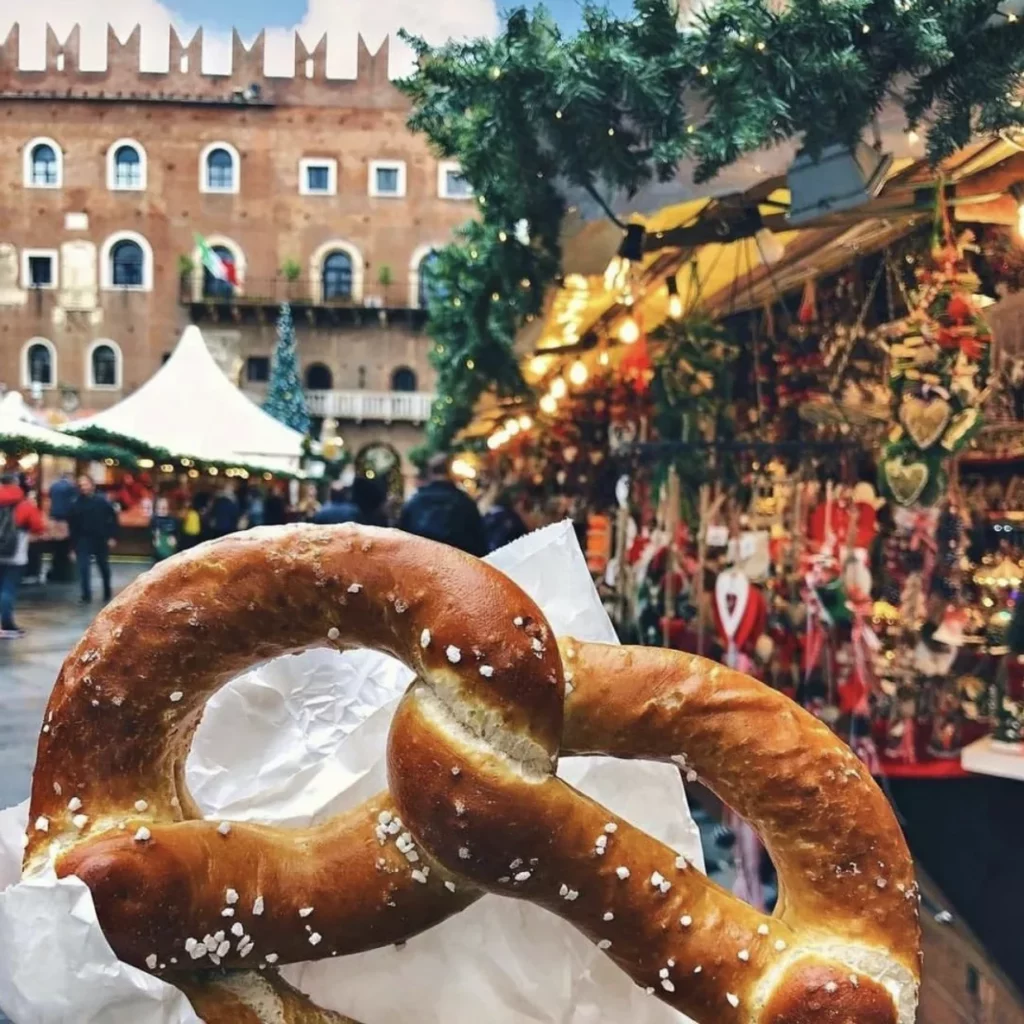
column 624, row 101
column 286, row 401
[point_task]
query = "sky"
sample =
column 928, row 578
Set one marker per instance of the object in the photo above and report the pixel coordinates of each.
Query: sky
column 342, row 20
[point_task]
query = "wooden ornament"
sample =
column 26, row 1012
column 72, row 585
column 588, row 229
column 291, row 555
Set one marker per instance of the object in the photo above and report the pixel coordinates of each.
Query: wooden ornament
column 925, row 420
column 906, row 480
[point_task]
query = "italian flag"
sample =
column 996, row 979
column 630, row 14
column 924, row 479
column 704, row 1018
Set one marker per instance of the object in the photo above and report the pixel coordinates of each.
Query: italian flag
column 220, row 268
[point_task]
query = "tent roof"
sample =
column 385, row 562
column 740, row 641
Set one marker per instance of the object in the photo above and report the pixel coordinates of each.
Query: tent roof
column 21, row 431
column 190, row 409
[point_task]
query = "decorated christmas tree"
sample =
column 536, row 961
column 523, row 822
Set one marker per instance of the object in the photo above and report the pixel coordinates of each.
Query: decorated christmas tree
column 285, row 399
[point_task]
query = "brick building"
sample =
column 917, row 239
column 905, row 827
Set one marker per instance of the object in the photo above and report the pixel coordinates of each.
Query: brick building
column 314, row 189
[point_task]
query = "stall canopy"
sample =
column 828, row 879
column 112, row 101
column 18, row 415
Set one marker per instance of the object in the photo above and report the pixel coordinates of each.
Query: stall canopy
column 21, row 432
column 190, row 410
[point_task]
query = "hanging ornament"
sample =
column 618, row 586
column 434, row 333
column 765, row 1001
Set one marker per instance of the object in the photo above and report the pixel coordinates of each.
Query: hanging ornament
column 808, row 313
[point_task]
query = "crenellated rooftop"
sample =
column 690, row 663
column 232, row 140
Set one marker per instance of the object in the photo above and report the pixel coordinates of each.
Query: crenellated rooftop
column 185, row 81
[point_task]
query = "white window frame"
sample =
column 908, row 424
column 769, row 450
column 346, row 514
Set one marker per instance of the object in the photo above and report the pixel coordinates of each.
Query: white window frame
column 26, row 280
column 420, row 253
column 90, row 381
column 112, row 184
column 26, row 378
column 236, row 177
column 107, row 265
column 316, row 269
column 387, row 165
column 444, row 168
column 306, row 163
column 42, row 140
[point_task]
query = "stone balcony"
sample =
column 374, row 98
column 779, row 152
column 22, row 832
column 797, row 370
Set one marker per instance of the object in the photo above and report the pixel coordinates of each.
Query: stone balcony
column 372, row 406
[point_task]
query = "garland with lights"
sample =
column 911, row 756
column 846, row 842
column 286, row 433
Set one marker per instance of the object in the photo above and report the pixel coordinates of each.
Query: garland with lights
column 624, row 101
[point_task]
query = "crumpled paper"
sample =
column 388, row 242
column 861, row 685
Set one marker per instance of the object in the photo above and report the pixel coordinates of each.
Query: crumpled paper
column 298, row 741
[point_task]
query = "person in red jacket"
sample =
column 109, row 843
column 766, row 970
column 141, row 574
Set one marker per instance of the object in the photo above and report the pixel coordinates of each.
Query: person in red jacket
column 19, row 520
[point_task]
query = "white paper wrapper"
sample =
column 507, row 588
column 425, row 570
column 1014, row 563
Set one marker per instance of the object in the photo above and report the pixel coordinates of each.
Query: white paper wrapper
column 300, row 740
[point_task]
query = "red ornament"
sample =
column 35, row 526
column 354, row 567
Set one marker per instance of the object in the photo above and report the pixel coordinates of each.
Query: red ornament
column 959, row 308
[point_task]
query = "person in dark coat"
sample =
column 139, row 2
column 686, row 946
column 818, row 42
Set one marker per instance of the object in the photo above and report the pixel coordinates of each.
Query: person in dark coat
column 502, row 523
column 62, row 496
column 275, row 508
column 94, row 527
column 442, row 511
column 225, row 513
column 362, row 503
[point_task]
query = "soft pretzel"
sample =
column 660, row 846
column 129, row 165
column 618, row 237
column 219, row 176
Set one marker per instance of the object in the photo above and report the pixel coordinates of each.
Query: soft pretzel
column 109, row 800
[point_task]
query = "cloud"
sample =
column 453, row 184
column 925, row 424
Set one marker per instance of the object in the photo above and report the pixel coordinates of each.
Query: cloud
column 341, row 20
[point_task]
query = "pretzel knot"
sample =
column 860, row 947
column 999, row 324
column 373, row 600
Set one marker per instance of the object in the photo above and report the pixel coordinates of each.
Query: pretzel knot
column 474, row 803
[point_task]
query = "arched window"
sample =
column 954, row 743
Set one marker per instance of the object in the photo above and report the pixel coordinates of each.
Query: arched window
column 127, row 169
column 39, row 364
column 104, row 365
column 427, row 287
column 319, row 377
column 403, row 379
column 218, row 168
column 43, row 164
column 215, row 287
column 127, row 264
column 337, row 276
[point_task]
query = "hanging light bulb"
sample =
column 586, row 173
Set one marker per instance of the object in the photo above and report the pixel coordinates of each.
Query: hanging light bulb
column 494, row 441
column 675, row 303
column 511, row 427
column 620, row 270
column 548, row 405
column 578, row 373
column 603, row 359
column 629, row 330
column 559, row 388
column 525, row 422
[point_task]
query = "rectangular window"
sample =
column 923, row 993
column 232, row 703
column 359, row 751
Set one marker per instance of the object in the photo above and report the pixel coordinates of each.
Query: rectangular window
column 387, row 178
column 39, row 268
column 257, row 369
column 450, row 182
column 318, row 177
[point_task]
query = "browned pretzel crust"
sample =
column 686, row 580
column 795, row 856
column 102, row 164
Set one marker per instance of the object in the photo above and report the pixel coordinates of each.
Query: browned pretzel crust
column 471, row 757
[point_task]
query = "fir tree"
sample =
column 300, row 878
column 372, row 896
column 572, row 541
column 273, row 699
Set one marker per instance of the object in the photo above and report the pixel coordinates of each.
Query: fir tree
column 285, row 399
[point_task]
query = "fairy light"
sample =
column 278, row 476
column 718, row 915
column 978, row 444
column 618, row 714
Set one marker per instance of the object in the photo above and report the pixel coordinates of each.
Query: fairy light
column 913, row 138
column 603, row 359
column 525, row 422
column 559, row 388
column 629, row 330
column 470, row 364
column 704, row 69
column 511, row 427
column 578, row 373
column 549, row 405
column 502, row 236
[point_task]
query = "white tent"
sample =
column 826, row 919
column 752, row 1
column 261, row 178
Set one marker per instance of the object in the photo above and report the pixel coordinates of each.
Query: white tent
column 21, row 430
column 190, row 409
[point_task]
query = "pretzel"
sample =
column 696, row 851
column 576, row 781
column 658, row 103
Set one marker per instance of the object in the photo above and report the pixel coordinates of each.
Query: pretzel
column 109, row 802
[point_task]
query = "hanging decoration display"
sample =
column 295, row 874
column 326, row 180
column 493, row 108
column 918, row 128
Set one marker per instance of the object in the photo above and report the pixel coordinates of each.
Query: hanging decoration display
column 625, row 100
column 940, row 356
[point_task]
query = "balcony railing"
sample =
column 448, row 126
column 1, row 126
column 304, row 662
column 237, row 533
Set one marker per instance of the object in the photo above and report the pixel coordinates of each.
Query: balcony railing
column 260, row 298
column 380, row 406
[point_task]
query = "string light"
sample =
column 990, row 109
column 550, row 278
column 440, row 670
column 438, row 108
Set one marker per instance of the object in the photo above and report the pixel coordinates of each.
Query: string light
column 704, row 69
column 675, row 303
column 913, row 138
column 495, row 296
column 502, row 236
column 548, row 405
column 470, row 364
column 761, row 45
column 629, row 331
column 578, row 373
column 472, row 254
column 511, row 427
column 603, row 359
column 525, row 422
column 559, row 388
column 611, row 131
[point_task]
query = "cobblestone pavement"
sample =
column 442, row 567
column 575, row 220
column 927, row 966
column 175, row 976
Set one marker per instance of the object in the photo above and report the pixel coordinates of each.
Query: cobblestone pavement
column 53, row 622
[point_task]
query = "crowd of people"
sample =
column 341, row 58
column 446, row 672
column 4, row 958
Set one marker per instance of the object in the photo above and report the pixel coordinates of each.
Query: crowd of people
column 81, row 525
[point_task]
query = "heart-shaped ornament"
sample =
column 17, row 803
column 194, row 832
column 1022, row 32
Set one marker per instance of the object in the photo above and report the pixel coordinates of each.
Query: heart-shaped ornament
column 906, row 480
column 732, row 594
column 925, row 420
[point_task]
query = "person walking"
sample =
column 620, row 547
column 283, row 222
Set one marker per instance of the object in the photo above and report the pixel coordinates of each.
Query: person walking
column 20, row 519
column 62, row 496
column 93, row 534
column 225, row 513
column 502, row 522
column 442, row 511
